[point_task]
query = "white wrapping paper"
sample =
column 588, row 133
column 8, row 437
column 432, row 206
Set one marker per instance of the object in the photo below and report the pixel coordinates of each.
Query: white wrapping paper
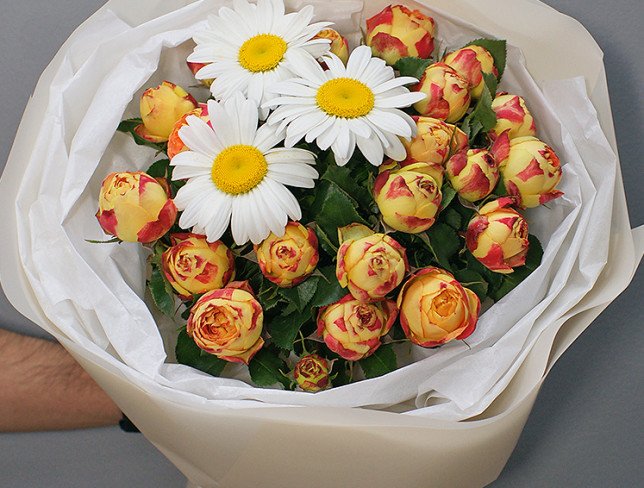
column 90, row 296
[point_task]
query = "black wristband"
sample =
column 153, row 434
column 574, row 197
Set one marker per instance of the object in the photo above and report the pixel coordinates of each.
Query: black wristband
column 126, row 425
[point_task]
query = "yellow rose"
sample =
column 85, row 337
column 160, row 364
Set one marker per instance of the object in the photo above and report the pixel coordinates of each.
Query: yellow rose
column 175, row 144
column 161, row 107
column 371, row 265
column 135, row 207
column 228, row 323
column 408, row 198
column 398, row 32
column 471, row 62
column 435, row 140
column 339, row 45
column 512, row 115
column 448, row 95
column 436, row 309
column 498, row 236
column 194, row 266
column 311, row 373
column 353, row 329
column 289, row 260
column 473, row 173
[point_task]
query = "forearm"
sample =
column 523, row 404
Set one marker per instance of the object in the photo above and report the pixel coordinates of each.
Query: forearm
column 43, row 388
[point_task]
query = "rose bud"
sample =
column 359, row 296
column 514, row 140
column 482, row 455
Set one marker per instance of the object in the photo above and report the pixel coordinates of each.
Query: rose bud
column 134, row 207
column 288, row 260
column 175, row 144
column 228, row 323
column 498, row 236
column 512, row 115
column 473, row 173
column 436, row 309
column 471, row 62
column 398, row 32
column 530, row 169
column 352, row 329
column 195, row 67
column 435, row 140
column 448, row 96
column 371, row 265
column 408, row 198
column 312, row 373
column 161, row 107
column 339, row 44
column 194, row 266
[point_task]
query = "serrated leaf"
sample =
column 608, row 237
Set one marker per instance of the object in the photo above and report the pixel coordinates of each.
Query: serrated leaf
column 160, row 169
column 284, row 329
column 329, row 290
column 412, row 66
column 381, row 362
column 188, row 353
column 497, row 48
column 161, row 291
column 444, row 242
column 345, row 180
column 301, row 294
column 452, row 218
column 129, row 126
column 448, row 193
column 266, row 368
column 474, row 281
column 511, row 281
column 535, row 253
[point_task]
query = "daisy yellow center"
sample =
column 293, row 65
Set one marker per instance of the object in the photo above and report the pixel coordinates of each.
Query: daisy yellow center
column 346, row 98
column 238, row 169
column 262, row 52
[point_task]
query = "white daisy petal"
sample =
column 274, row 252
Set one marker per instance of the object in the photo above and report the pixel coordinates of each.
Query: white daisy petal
column 316, row 132
column 193, row 190
column 396, row 149
column 396, row 82
column 359, row 127
column 390, row 122
column 358, row 61
column 221, row 209
column 199, row 137
column 398, row 101
column 267, row 137
column 371, row 149
column 190, row 158
column 282, row 197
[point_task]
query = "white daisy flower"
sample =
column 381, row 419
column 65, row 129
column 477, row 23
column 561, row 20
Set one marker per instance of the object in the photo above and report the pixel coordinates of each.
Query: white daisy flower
column 347, row 106
column 250, row 47
column 237, row 176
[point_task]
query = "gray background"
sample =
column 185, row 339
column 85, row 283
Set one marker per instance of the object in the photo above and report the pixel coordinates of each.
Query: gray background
column 578, row 435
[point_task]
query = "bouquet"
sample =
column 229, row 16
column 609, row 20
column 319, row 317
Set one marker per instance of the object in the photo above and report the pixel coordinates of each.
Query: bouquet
column 322, row 213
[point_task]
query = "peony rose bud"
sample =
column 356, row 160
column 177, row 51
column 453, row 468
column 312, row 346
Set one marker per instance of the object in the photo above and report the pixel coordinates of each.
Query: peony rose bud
column 195, row 67
column 161, row 107
column 473, row 173
column 471, row 62
column 134, row 207
column 435, row 140
column 289, row 260
column 339, row 44
column 194, row 266
column 175, row 144
column 352, row 329
column 312, row 373
column 398, row 32
column 371, row 265
column 448, row 96
column 436, row 309
column 408, row 198
column 498, row 236
column 530, row 169
column 228, row 323
column 512, row 115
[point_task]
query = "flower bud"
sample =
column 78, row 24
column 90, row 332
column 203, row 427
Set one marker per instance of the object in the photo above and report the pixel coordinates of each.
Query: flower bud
column 195, row 67
column 498, row 236
column 312, row 373
column 436, row 309
column 473, row 173
column 471, row 62
column 175, row 144
column 398, row 32
column 448, row 96
column 134, row 207
column 408, row 198
column 339, row 44
column 288, row 260
column 353, row 329
column 194, row 266
column 228, row 323
column 371, row 265
column 435, row 140
column 512, row 115
column 161, row 107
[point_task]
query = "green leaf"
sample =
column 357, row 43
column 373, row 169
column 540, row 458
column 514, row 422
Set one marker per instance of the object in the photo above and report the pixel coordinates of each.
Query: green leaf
column 497, row 48
column 448, row 193
column 161, row 291
column 339, row 373
column 129, row 126
column 512, row 280
column 301, row 294
column 266, row 368
column 329, row 290
column 345, row 180
column 482, row 118
column 474, row 281
column 160, row 169
column 381, row 362
column 535, row 253
column 284, row 329
column 444, row 242
column 452, row 218
column 188, row 353
column 411, row 66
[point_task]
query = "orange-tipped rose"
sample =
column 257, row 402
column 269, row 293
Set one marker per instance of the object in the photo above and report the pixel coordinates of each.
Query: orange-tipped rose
column 135, row 207
column 471, row 62
column 398, row 32
column 370, row 265
column 408, row 198
column 311, row 373
column 436, row 309
column 498, row 236
column 228, row 323
column 448, row 95
column 512, row 115
column 194, row 266
column 175, row 144
column 161, row 107
column 289, row 260
column 473, row 173
column 339, row 44
column 195, row 67
column 353, row 329
column 435, row 140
